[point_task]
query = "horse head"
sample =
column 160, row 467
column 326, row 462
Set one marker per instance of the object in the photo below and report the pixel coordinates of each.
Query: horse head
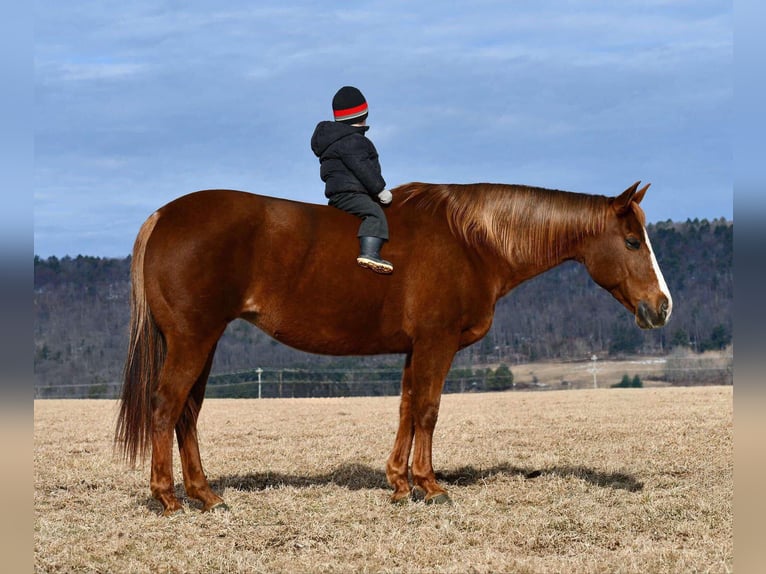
column 621, row 260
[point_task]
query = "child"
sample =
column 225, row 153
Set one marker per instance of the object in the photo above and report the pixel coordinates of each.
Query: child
column 350, row 169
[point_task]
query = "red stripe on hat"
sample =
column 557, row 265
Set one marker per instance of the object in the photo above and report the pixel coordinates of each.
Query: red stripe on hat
column 350, row 112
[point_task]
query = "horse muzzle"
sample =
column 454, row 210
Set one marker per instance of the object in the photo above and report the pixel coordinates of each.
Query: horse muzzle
column 651, row 317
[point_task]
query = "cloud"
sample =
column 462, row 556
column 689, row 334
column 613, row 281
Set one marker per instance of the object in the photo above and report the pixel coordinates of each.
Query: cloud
column 96, row 71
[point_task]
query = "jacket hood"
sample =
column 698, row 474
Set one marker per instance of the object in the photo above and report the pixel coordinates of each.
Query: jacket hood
column 327, row 133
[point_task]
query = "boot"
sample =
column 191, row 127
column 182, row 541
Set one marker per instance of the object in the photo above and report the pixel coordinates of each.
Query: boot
column 369, row 255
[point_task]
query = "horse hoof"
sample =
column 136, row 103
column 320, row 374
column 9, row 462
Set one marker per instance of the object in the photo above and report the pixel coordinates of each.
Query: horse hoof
column 400, row 499
column 417, row 494
column 441, row 498
column 218, row 507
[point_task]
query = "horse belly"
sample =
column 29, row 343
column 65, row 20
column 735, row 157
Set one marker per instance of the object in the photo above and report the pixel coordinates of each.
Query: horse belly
column 313, row 330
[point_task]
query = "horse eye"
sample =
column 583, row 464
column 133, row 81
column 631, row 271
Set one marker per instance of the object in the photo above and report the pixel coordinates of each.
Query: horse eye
column 632, row 243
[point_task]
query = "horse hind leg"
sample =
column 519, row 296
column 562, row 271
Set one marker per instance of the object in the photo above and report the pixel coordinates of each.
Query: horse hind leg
column 195, row 481
column 184, row 364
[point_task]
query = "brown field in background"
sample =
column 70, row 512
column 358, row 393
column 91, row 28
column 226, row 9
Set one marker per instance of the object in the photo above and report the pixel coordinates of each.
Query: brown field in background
column 607, row 480
column 681, row 367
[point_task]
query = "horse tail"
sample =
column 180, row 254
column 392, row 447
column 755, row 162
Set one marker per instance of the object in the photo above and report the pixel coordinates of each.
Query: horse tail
column 146, row 354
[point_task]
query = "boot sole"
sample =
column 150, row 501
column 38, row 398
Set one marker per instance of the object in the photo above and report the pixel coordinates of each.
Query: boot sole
column 375, row 266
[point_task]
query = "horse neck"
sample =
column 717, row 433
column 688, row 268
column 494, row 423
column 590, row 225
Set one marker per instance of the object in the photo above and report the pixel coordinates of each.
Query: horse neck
column 540, row 231
column 518, row 231
column 518, row 268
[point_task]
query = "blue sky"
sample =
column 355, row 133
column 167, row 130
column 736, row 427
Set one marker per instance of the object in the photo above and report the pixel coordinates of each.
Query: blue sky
column 138, row 103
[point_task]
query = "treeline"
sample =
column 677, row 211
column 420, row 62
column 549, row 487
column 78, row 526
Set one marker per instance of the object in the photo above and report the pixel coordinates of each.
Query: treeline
column 81, row 307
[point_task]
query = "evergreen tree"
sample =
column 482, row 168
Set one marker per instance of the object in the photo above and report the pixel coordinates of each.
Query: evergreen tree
column 501, row 379
column 624, row 383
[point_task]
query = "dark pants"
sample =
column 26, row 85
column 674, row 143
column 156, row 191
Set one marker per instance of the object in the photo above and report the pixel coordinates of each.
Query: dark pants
column 374, row 222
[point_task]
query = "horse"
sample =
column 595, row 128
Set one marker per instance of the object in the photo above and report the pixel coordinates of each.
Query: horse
column 289, row 268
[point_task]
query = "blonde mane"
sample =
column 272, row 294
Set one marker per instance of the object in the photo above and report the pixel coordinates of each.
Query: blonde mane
column 519, row 223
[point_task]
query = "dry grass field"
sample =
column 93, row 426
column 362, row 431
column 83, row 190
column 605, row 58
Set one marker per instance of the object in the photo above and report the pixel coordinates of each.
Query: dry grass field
column 607, row 480
column 683, row 367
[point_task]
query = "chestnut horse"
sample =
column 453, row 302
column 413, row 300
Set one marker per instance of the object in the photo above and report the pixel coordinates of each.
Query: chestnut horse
column 289, row 268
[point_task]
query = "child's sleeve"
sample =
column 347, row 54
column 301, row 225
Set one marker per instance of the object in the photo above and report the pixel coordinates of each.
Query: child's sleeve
column 363, row 163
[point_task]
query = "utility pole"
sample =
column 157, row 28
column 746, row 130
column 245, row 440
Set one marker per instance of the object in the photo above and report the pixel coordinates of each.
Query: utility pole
column 594, row 370
column 259, row 371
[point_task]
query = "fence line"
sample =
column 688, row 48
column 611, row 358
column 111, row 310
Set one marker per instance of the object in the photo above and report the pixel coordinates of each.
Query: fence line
column 293, row 382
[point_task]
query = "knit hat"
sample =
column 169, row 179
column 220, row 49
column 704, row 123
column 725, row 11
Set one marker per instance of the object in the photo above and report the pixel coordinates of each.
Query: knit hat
column 349, row 106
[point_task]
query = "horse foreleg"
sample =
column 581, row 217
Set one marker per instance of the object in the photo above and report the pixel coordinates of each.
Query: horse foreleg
column 430, row 367
column 182, row 367
column 195, row 481
column 396, row 467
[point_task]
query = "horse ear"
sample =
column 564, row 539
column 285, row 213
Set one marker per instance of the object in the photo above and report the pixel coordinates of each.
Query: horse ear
column 621, row 203
column 640, row 193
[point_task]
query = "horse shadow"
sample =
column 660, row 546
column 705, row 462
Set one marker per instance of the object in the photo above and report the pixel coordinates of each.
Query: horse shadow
column 355, row 476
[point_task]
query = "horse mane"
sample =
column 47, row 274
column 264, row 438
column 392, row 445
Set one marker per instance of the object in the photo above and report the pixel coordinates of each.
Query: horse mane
column 519, row 223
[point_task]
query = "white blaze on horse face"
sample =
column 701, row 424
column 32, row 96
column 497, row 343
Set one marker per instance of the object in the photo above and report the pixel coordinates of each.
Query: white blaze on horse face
column 658, row 275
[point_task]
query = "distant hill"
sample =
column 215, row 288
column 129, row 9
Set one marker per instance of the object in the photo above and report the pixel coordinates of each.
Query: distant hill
column 81, row 308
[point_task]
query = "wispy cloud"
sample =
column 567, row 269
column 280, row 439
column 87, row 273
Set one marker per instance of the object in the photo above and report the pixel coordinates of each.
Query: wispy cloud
column 78, row 72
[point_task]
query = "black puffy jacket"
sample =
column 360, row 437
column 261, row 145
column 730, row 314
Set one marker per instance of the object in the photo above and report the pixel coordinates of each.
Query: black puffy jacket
column 348, row 160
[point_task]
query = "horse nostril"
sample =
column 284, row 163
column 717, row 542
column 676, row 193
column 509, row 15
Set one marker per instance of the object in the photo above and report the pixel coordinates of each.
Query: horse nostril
column 664, row 309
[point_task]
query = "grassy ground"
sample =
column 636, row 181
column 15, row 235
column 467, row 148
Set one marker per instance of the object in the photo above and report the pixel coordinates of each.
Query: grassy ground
column 634, row 480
